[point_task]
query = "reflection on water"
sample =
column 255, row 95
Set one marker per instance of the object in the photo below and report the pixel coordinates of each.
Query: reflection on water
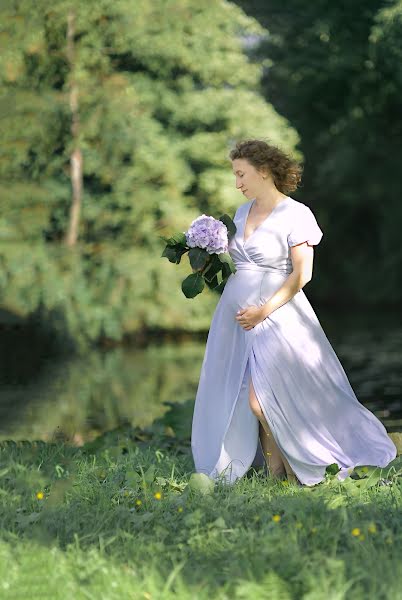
column 84, row 396
column 80, row 397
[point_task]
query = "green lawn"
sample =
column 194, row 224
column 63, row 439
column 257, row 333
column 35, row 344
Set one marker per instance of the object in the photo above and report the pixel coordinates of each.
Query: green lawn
column 121, row 518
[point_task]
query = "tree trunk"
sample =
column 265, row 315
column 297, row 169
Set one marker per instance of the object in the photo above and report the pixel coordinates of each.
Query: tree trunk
column 76, row 155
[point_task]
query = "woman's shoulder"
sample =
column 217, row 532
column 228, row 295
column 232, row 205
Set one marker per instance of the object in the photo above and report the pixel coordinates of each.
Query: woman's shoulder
column 297, row 207
column 296, row 204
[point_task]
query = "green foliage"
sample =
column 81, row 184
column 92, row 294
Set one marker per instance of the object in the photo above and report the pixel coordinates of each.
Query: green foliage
column 164, row 89
column 127, row 517
column 335, row 72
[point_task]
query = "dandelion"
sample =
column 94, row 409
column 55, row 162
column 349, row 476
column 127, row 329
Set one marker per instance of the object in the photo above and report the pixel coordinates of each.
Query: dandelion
column 40, row 495
column 180, row 509
column 372, row 528
column 138, row 502
column 158, row 495
column 356, row 531
column 276, row 518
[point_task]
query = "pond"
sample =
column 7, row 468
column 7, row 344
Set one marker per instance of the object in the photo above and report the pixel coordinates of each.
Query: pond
column 77, row 398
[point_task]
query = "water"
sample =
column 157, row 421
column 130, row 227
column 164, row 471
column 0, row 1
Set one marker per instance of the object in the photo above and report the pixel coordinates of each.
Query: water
column 78, row 398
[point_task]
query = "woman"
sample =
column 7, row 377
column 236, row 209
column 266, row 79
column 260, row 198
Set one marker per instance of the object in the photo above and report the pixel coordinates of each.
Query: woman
column 269, row 373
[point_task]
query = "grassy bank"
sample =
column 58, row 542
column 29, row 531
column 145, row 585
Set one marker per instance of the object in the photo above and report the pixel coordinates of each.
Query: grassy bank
column 122, row 517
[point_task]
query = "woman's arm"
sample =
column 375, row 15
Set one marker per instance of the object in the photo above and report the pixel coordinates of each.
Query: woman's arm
column 302, row 260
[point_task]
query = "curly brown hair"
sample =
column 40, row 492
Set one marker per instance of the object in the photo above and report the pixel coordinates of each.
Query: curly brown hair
column 285, row 171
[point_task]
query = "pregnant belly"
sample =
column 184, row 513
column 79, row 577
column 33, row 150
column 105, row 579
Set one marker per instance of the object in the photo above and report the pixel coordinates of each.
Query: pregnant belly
column 251, row 288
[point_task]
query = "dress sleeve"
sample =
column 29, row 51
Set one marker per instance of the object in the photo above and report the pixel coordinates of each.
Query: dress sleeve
column 305, row 229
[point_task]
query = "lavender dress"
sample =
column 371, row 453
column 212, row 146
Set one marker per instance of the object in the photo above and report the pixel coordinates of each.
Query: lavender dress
column 301, row 386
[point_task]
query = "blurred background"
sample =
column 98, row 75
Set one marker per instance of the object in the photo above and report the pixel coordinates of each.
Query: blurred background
column 116, row 123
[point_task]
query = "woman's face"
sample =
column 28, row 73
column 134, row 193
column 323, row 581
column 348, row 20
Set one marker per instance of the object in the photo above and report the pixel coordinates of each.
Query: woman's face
column 248, row 179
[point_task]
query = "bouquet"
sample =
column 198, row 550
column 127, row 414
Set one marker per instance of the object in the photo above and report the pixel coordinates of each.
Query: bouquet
column 206, row 242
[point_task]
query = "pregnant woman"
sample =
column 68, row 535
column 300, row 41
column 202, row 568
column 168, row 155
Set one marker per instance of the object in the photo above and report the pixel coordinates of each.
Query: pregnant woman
column 269, row 373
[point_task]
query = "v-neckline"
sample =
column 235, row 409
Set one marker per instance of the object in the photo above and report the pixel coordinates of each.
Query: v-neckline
column 262, row 222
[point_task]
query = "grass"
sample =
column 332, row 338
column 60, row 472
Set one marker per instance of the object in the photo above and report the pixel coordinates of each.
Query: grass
column 123, row 517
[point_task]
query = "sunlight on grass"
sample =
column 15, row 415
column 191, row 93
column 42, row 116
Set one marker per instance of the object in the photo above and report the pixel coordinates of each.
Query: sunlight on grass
column 128, row 518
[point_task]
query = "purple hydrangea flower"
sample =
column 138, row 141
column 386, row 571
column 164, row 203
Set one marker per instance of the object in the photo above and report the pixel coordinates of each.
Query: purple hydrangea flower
column 209, row 233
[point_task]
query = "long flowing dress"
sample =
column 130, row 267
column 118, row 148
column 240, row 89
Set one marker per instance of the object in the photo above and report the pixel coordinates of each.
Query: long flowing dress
column 300, row 384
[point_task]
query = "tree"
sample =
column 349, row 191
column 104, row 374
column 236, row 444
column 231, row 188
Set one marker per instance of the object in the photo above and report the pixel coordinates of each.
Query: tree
column 335, row 73
column 164, row 89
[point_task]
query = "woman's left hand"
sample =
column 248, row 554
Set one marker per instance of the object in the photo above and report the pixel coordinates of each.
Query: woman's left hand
column 250, row 317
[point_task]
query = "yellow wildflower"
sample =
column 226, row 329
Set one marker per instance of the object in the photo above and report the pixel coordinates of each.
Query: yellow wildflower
column 138, row 502
column 158, row 495
column 40, row 495
column 180, row 509
column 355, row 531
column 372, row 528
column 276, row 518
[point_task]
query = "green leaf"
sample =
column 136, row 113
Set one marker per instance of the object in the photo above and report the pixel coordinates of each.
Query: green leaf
column 149, row 474
column 225, row 258
column 332, row 469
column 174, row 254
column 231, row 227
column 212, row 269
column 198, row 258
column 177, row 238
column 133, row 478
column 373, row 478
column 193, row 285
column 364, row 470
column 226, row 271
column 349, row 485
column 213, row 283
column 335, row 501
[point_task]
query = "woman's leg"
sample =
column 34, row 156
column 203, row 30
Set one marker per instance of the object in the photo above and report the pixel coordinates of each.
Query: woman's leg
column 277, row 463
